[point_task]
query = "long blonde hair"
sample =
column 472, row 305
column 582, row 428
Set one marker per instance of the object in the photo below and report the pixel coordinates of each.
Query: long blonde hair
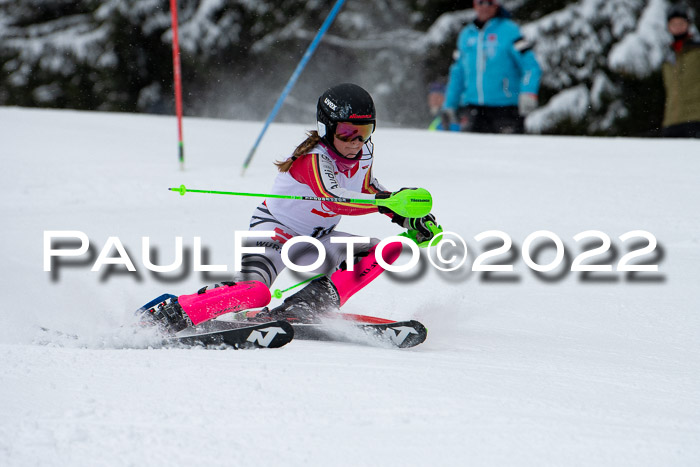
column 312, row 139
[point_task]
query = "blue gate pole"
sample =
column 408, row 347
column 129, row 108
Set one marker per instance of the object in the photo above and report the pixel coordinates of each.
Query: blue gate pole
column 292, row 80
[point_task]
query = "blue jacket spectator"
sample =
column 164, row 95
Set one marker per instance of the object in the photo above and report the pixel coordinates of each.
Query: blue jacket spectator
column 494, row 80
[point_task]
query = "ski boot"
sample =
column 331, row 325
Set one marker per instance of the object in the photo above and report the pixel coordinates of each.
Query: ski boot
column 305, row 306
column 167, row 315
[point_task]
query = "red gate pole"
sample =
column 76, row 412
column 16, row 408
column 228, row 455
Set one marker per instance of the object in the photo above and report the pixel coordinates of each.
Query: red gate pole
column 178, row 82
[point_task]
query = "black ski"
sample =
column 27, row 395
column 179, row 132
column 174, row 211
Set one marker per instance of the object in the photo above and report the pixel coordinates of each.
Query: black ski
column 402, row 334
column 241, row 335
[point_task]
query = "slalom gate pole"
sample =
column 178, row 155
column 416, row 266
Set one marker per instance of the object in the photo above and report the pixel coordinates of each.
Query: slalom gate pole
column 178, row 83
column 292, row 79
column 414, row 202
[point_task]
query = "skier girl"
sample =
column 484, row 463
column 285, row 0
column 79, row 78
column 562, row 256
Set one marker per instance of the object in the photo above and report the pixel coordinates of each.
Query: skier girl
column 334, row 161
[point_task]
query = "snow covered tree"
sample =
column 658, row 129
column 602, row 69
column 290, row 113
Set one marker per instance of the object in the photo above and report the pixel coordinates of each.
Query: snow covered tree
column 600, row 57
column 86, row 55
column 593, row 53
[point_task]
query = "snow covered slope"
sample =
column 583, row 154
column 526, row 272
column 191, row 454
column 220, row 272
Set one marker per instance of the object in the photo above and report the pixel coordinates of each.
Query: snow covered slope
column 519, row 368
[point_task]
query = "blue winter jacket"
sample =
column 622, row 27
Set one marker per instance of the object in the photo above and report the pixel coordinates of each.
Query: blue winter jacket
column 494, row 64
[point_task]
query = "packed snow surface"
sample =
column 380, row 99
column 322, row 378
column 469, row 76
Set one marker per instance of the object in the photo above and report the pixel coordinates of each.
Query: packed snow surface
column 519, row 368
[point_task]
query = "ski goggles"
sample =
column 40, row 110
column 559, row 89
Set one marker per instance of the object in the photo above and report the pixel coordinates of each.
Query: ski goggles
column 348, row 132
column 485, row 2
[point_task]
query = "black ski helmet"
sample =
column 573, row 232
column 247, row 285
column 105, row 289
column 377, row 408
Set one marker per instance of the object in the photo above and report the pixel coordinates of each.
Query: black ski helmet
column 345, row 102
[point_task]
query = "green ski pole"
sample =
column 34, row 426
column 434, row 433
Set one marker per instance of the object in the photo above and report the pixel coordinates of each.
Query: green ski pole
column 278, row 293
column 414, row 202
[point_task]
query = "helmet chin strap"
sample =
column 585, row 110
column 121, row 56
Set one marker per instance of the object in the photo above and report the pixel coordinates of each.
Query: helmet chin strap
column 357, row 157
column 335, row 150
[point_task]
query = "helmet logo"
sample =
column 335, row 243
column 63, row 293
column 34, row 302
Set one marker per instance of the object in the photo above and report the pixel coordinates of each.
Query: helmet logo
column 330, row 104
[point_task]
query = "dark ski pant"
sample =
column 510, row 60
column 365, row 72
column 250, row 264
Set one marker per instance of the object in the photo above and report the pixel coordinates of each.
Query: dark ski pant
column 483, row 119
column 682, row 130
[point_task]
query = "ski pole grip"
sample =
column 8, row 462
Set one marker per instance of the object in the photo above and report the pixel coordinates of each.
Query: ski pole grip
column 410, row 202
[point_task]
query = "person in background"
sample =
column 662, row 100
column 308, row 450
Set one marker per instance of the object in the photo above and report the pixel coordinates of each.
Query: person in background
column 681, row 76
column 495, row 77
column 436, row 98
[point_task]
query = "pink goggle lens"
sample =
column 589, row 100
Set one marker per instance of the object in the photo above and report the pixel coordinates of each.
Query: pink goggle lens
column 348, row 132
